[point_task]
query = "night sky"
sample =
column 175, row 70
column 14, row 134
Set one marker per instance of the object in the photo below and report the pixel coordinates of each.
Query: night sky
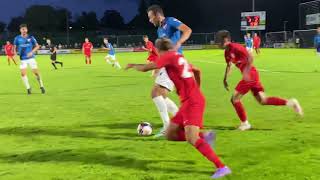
column 215, row 14
column 128, row 8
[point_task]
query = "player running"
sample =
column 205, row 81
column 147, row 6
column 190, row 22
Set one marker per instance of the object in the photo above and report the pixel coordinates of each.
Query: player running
column 186, row 124
column 249, row 42
column 178, row 33
column 9, row 50
column 256, row 43
column 153, row 55
column 53, row 57
column 27, row 46
column 236, row 54
column 111, row 55
column 317, row 41
column 87, row 48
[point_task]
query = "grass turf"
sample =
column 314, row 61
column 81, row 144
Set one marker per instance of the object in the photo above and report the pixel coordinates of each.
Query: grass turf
column 85, row 126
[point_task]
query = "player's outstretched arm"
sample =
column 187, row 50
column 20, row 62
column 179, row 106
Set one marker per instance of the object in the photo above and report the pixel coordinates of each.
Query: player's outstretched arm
column 142, row 67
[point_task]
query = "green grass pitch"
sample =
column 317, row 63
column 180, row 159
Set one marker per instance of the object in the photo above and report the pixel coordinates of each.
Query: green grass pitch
column 85, row 126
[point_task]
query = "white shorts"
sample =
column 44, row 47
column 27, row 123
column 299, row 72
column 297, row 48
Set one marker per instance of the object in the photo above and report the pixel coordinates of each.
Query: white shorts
column 163, row 80
column 112, row 57
column 249, row 49
column 32, row 63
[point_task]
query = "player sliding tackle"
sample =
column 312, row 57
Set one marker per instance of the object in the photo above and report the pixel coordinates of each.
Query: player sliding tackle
column 186, row 124
column 27, row 46
column 178, row 33
column 238, row 55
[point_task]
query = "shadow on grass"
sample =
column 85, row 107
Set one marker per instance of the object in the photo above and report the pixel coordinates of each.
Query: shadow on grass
column 231, row 128
column 70, row 132
column 99, row 157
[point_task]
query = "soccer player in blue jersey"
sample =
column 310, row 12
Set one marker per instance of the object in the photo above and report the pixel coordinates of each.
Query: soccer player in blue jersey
column 178, row 33
column 26, row 46
column 317, row 41
column 249, row 42
column 111, row 55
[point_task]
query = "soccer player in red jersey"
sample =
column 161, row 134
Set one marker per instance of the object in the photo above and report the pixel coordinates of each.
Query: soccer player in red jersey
column 87, row 50
column 153, row 55
column 9, row 50
column 256, row 43
column 186, row 124
column 238, row 55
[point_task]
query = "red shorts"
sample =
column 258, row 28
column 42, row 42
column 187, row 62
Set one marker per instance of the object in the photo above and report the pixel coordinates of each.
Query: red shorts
column 191, row 113
column 10, row 55
column 152, row 58
column 254, row 85
column 87, row 54
column 256, row 46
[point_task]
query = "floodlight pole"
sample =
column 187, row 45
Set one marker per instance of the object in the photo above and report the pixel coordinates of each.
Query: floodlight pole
column 253, row 5
column 285, row 30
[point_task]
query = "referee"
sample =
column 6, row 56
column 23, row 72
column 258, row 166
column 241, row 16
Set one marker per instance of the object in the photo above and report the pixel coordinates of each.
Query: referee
column 53, row 56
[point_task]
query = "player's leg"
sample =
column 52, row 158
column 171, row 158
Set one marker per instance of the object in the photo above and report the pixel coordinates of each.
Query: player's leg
column 171, row 106
column 14, row 61
column 240, row 110
column 35, row 70
column 192, row 136
column 53, row 63
column 8, row 58
column 158, row 95
column 116, row 62
column 276, row 101
column 24, row 77
column 107, row 58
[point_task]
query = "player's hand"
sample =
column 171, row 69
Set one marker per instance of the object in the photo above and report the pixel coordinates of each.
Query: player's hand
column 30, row 54
column 129, row 66
column 226, row 85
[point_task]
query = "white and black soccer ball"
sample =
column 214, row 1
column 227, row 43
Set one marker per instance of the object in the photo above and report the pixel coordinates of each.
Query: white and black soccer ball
column 144, row 129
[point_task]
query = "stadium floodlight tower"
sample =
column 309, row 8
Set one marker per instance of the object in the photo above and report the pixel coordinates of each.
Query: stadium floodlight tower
column 253, row 5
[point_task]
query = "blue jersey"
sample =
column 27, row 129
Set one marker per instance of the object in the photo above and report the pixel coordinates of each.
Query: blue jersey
column 169, row 29
column 317, row 40
column 25, row 46
column 111, row 51
column 249, row 42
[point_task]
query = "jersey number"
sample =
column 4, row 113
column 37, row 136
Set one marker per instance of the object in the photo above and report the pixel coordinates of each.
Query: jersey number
column 186, row 68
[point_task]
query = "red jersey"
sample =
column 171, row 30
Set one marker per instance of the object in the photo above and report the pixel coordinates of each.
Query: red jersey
column 152, row 51
column 180, row 72
column 256, row 41
column 9, row 50
column 237, row 54
column 87, row 47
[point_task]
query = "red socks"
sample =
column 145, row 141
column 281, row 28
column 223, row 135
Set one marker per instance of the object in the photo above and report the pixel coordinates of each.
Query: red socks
column 276, row 101
column 206, row 150
column 240, row 111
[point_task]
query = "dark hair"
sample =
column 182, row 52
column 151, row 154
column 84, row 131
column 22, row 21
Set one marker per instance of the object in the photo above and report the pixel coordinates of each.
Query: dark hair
column 221, row 35
column 164, row 44
column 23, row 26
column 145, row 36
column 155, row 9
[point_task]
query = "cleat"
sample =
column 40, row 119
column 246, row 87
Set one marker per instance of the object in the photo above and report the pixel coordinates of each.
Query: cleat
column 29, row 91
column 43, row 91
column 296, row 106
column 160, row 134
column 221, row 172
column 244, row 126
column 210, row 138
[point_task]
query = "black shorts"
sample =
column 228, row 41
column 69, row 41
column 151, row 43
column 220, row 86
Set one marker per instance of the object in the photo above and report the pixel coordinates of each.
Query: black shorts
column 53, row 57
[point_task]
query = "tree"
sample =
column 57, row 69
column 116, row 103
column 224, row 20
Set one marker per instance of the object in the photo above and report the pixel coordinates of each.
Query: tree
column 87, row 20
column 63, row 15
column 2, row 26
column 112, row 19
column 14, row 24
column 42, row 18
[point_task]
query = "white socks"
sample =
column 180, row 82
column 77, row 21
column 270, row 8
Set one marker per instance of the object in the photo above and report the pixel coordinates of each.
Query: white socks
column 171, row 106
column 117, row 65
column 162, row 108
column 25, row 81
column 40, row 81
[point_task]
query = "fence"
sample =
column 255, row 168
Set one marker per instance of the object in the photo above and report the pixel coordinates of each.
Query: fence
column 278, row 37
column 75, row 39
column 304, row 38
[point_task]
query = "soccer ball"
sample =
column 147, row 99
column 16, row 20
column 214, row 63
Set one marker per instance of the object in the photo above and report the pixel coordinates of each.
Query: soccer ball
column 144, row 129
